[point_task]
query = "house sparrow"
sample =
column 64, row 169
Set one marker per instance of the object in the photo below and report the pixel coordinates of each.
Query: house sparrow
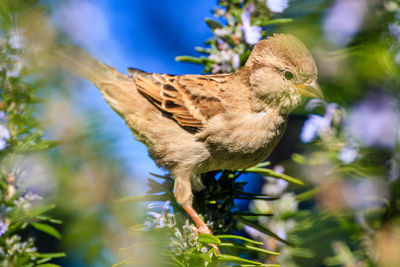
column 194, row 124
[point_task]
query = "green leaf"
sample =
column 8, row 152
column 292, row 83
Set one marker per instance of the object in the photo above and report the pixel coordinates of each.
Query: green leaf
column 213, row 24
column 308, row 194
column 232, row 42
column 262, row 229
column 263, row 164
column 189, row 59
column 39, row 210
column 239, row 238
column 208, row 239
column 276, row 21
column 248, row 247
column 234, row 259
column 199, row 259
column 271, row 173
column 45, row 218
column 51, row 255
column 47, row 229
column 48, row 265
column 202, row 50
column 43, row 145
column 43, row 260
column 176, row 260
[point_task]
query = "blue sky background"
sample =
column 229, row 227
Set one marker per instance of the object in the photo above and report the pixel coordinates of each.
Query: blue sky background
column 143, row 34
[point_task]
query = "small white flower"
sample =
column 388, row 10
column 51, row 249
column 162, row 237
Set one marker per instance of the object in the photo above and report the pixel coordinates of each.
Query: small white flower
column 4, row 132
column 204, row 250
column 16, row 67
column 286, row 204
column 16, row 39
column 3, row 227
column 226, row 60
column 310, row 128
column 219, row 12
column 348, row 154
column 252, row 34
column 235, row 61
column 221, row 32
column 159, row 220
column 274, row 186
column 277, row 6
column 253, row 233
column 222, row 45
column 314, row 103
column 31, row 196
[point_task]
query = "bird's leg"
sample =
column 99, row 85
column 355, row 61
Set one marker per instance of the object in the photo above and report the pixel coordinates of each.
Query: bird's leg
column 201, row 225
column 184, row 196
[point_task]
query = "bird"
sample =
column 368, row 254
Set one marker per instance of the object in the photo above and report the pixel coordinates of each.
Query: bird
column 193, row 124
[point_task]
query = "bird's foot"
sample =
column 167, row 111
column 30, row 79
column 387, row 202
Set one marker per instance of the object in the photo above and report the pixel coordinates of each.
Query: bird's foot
column 203, row 229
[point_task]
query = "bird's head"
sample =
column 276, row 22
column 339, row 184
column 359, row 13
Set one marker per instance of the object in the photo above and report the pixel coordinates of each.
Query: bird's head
column 281, row 70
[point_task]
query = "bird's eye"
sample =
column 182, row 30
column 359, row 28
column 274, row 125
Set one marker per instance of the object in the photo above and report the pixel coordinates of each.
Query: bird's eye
column 288, row 75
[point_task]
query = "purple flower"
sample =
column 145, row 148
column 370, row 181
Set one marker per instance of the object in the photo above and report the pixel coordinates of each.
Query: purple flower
column 316, row 125
column 344, row 20
column 3, row 227
column 365, row 194
column 374, row 122
column 253, row 233
column 161, row 219
column 235, row 61
column 275, row 187
column 348, row 154
column 4, row 132
column 394, row 171
column 225, row 60
column 277, row 6
column 252, row 34
column 394, row 30
column 314, row 103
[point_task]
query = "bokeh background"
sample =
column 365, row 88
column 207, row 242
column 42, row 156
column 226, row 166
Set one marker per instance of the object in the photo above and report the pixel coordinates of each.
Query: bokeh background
column 347, row 152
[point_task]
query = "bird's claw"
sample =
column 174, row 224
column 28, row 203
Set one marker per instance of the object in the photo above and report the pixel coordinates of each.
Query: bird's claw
column 201, row 230
column 204, row 229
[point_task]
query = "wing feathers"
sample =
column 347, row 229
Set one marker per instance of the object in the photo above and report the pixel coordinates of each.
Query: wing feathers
column 187, row 99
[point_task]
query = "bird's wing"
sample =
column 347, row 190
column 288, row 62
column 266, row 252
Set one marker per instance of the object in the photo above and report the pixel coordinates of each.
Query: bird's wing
column 191, row 100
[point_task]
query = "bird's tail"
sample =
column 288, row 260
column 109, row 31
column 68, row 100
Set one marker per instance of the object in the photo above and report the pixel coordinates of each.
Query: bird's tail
column 79, row 62
column 119, row 90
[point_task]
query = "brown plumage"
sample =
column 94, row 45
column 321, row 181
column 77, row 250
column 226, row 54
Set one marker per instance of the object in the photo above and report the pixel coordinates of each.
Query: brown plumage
column 193, row 124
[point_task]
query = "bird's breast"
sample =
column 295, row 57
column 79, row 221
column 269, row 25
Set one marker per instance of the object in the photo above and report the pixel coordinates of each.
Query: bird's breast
column 243, row 141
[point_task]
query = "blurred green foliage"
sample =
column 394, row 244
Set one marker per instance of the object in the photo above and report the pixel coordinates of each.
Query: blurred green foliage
column 340, row 207
column 21, row 136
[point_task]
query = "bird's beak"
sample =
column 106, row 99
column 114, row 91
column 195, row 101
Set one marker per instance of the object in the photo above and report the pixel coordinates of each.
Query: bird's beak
column 310, row 90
